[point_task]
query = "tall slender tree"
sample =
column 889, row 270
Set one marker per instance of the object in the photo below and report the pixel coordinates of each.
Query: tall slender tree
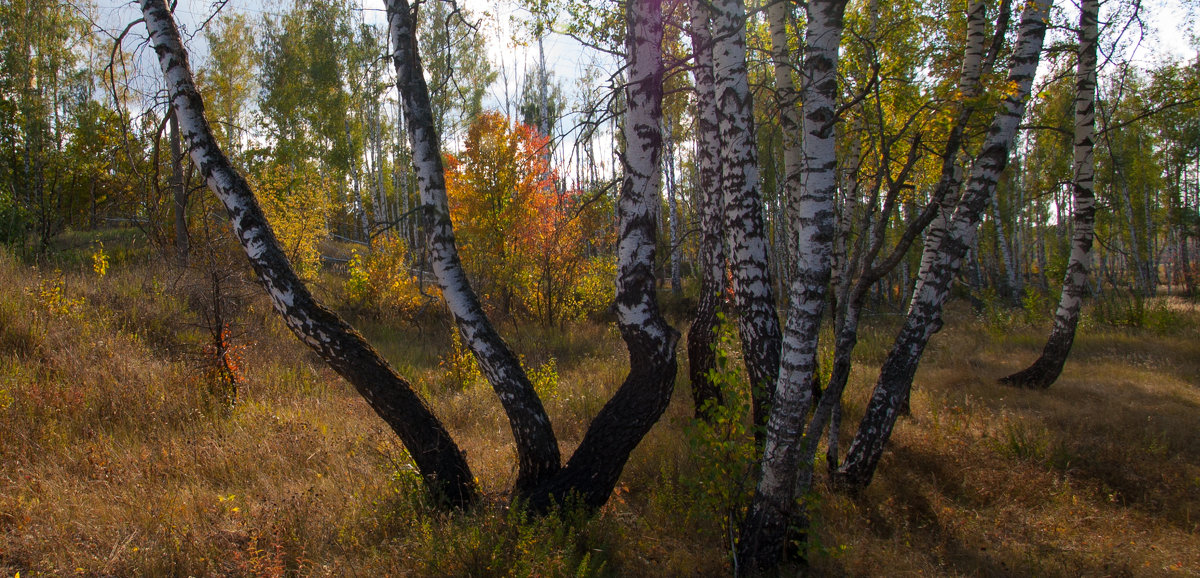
column 758, row 321
column 537, row 449
column 764, row 533
column 944, row 255
column 437, row 458
column 702, row 333
column 1046, row 369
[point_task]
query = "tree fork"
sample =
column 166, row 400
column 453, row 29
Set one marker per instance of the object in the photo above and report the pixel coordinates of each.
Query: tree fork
column 437, row 457
column 537, row 449
column 593, row 470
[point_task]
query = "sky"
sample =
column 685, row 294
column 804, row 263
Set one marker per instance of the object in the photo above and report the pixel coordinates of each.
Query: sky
column 1168, row 21
column 566, row 58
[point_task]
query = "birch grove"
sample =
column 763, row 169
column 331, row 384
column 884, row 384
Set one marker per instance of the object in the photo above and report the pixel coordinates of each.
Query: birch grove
column 820, row 172
column 595, row 466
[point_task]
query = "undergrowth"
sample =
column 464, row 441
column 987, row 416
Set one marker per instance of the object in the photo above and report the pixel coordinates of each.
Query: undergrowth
column 118, row 460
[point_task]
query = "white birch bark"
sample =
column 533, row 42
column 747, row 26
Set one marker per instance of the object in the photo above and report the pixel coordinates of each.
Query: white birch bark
column 1049, row 366
column 702, row 333
column 758, row 323
column 968, row 83
column 925, row 310
column 537, row 448
column 437, row 457
column 763, row 537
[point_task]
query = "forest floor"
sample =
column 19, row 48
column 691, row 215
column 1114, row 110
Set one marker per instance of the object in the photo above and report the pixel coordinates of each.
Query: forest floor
column 118, row 459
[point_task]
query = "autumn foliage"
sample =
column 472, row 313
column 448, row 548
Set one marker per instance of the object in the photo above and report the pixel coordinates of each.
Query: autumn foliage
column 532, row 247
column 382, row 283
column 296, row 201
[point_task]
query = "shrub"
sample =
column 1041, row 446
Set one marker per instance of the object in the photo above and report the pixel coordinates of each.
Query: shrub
column 99, row 260
column 296, row 201
column 1130, row 309
column 723, row 447
column 380, row 282
column 458, row 365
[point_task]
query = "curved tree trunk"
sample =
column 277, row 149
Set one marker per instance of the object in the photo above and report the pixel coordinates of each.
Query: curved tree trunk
column 758, row 321
column 1047, row 368
column 593, row 470
column 702, row 333
column 978, row 60
column 764, row 533
column 942, row 260
column 438, row 459
column 537, row 448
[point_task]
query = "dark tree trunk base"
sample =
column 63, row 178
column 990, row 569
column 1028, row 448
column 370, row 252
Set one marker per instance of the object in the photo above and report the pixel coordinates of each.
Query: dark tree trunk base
column 1041, row 375
column 591, row 474
column 1045, row 371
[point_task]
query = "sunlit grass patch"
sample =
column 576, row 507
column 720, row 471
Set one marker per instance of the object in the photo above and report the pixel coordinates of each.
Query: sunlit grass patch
column 116, row 462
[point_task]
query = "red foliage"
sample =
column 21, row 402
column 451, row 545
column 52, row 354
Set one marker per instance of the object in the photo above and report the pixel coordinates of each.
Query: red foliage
column 519, row 233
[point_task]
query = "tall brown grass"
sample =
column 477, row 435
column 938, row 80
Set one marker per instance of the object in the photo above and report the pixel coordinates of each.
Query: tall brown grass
column 116, row 460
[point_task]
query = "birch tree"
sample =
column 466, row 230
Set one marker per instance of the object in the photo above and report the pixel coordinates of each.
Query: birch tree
column 702, row 333
column 441, row 464
column 1046, row 369
column 764, row 533
column 537, row 450
column 790, row 122
column 943, row 256
column 758, row 323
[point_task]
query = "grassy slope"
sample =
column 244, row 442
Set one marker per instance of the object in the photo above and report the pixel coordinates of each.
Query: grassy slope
column 115, row 461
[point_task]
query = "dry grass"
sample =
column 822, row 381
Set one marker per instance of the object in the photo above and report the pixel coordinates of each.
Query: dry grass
column 116, row 460
column 1097, row 476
